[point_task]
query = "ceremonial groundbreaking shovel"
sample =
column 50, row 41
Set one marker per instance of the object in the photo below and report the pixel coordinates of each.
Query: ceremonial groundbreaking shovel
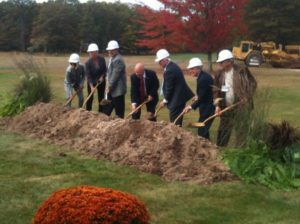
column 179, row 116
column 153, row 118
column 136, row 109
column 92, row 92
column 105, row 101
column 70, row 99
column 202, row 124
column 183, row 112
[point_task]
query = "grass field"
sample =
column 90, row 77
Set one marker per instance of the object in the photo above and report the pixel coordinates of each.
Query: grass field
column 30, row 169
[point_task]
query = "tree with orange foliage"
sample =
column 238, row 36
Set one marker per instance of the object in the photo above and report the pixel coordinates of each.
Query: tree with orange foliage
column 160, row 29
column 203, row 25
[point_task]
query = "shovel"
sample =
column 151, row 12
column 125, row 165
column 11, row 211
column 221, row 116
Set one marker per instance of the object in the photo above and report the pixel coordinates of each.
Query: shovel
column 153, row 118
column 105, row 101
column 202, row 124
column 179, row 116
column 182, row 113
column 92, row 92
column 70, row 99
column 136, row 109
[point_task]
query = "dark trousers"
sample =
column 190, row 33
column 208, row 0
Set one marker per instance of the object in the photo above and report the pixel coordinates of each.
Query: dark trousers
column 225, row 129
column 174, row 113
column 150, row 108
column 117, row 103
column 204, row 131
column 237, row 119
column 101, row 91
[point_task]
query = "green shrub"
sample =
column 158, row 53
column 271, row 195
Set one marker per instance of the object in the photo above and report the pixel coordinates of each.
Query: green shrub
column 268, row 154
column 33, row 87
column 257, row 163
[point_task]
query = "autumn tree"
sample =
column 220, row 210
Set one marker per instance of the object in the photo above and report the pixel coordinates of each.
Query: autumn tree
column 160, row 29
column 207, row 25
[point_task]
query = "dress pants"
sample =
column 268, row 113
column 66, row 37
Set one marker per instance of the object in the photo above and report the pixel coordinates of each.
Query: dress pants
column 117, row 103
column 174, row 113
column 100, row 91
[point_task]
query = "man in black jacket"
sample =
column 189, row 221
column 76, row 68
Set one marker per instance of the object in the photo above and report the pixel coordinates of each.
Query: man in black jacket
column 175, row 90
column 144, row 86
column 204, row 99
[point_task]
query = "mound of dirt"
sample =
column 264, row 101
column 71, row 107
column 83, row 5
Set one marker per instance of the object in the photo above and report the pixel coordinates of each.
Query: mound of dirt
column 155, row 147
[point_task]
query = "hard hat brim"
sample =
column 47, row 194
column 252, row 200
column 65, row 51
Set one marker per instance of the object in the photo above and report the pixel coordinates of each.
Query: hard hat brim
column 159, row 59
column 110, row 49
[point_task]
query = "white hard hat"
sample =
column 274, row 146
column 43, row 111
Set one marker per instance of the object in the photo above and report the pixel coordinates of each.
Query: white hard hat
column 93, row 47
column 224, row 55
column 194, row 62
column 161, row 54
column 74, row 58
column 112, row 45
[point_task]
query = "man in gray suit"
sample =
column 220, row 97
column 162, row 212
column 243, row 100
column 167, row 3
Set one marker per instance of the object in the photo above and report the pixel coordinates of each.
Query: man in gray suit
column 116, row 81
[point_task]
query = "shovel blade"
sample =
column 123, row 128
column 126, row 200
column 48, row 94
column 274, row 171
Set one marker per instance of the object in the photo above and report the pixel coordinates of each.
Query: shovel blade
column 196, row 125
column 105, row 102
column 152, row 118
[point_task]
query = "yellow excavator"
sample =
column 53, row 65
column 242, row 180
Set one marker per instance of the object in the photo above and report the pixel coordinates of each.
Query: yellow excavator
column 287, row 58
column 255, row 53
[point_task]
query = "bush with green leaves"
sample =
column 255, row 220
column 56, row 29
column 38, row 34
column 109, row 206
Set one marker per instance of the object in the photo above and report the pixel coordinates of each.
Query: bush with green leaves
column 33, row 87
column 257, row 164
column 268, row 154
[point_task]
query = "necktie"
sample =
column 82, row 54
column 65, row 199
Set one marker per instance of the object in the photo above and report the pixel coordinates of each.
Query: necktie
column 142, row 89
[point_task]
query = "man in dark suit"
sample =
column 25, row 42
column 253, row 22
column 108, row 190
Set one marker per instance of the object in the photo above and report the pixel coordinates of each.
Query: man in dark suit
column 176, row 92
column 144, row 86
column 204, row 99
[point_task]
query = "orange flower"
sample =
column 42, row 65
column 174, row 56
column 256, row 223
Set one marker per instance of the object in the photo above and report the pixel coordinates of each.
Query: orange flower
column 91, row 205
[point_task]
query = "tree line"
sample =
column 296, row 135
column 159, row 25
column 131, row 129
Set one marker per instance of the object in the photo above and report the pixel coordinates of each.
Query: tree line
column 181, row 26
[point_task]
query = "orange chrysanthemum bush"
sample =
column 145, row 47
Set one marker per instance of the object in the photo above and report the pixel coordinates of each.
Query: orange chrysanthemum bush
column 91, row 205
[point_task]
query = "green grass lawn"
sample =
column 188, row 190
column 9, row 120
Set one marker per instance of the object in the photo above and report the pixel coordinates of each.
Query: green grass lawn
column 32, row 169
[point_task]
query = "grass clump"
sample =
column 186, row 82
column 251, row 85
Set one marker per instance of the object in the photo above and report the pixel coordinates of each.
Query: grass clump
column 257, row 164
column 268, row 154
column 33, row 87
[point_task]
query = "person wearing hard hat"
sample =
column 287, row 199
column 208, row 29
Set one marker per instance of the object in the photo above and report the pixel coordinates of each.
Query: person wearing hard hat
column 175, row 90
column 234, row 84
column 144, row 86
column 116, row 80
column 204, row 98
column 95, row 72
column 74, row 78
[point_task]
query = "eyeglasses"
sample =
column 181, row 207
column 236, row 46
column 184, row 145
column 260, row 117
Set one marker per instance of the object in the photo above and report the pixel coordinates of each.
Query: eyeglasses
column 73, row 64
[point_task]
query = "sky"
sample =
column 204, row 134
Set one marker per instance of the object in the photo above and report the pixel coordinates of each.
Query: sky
column 151, row 3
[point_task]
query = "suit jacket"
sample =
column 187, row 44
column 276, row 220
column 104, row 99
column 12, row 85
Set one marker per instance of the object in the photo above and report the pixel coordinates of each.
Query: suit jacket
column 175, row 89
column 92, row 72
column 152, row 85
column 204, row 94
column 244, row 85
column 116, row 76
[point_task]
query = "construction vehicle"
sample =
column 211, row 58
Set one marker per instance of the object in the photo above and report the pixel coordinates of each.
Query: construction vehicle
column 287, row 58
column 255, row 53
